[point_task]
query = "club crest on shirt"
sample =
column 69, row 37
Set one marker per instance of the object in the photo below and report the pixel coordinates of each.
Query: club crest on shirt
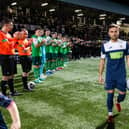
column 110, row 47
column 5, row 40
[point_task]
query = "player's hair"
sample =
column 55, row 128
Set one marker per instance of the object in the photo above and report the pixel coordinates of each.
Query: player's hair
column 24, row 29
column 53, row 33
column 65, row 36
column 113, row 25
column 59, row 33
column 47, row 29
column 5, row 21
column 38, row 28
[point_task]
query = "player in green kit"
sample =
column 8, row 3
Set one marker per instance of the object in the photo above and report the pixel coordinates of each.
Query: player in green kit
column 42, row 38
column 57, row 47
column 68, row 50
column 65, row 50
column 59, row 42
column 61, row 51
column 54, row 51
column 48, row 57
column 36, row 54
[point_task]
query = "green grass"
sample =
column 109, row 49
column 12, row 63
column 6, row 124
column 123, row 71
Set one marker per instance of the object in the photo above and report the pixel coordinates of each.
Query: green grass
column 69, row 99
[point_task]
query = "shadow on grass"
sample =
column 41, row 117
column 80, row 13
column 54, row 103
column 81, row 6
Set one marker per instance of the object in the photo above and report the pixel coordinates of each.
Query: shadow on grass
column 106, row 125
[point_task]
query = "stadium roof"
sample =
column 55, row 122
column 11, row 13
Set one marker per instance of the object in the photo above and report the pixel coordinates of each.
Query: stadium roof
column 114, row 6
column 106, row 5
column 114, row 9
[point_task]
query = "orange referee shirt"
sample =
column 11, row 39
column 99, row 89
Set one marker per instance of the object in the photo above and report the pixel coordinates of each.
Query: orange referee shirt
column 7, row 44
column 22, row 44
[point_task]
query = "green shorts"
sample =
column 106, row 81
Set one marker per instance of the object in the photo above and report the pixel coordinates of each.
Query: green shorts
column 36, row 60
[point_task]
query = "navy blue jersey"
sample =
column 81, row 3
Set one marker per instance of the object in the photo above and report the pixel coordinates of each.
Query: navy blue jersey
column 115, row 53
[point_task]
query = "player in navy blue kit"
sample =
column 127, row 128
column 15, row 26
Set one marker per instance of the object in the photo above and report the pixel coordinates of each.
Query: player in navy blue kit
column 114, row 52
column 12, row 108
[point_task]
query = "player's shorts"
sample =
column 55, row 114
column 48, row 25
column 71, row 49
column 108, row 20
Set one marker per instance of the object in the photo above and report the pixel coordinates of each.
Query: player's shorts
column 48, row 56
column 26, row 63
column 8, row 65
column 54, row 56
column 2, row 123
column 36, row 60
column 65, row 55
column 118, row 84
column 59, row 55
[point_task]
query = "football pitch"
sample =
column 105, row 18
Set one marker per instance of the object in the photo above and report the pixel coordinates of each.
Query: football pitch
column 69, row 99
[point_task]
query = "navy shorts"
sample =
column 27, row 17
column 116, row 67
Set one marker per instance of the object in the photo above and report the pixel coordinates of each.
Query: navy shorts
column 118, row 84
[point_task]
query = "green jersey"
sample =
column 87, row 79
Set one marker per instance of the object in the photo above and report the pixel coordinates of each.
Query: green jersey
column 59, row 41
column 48, row 38
column 68, row 49
column 63, row 48
column 43, row 47
column 52, row 48
column 57, row 47
column 36, row 51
